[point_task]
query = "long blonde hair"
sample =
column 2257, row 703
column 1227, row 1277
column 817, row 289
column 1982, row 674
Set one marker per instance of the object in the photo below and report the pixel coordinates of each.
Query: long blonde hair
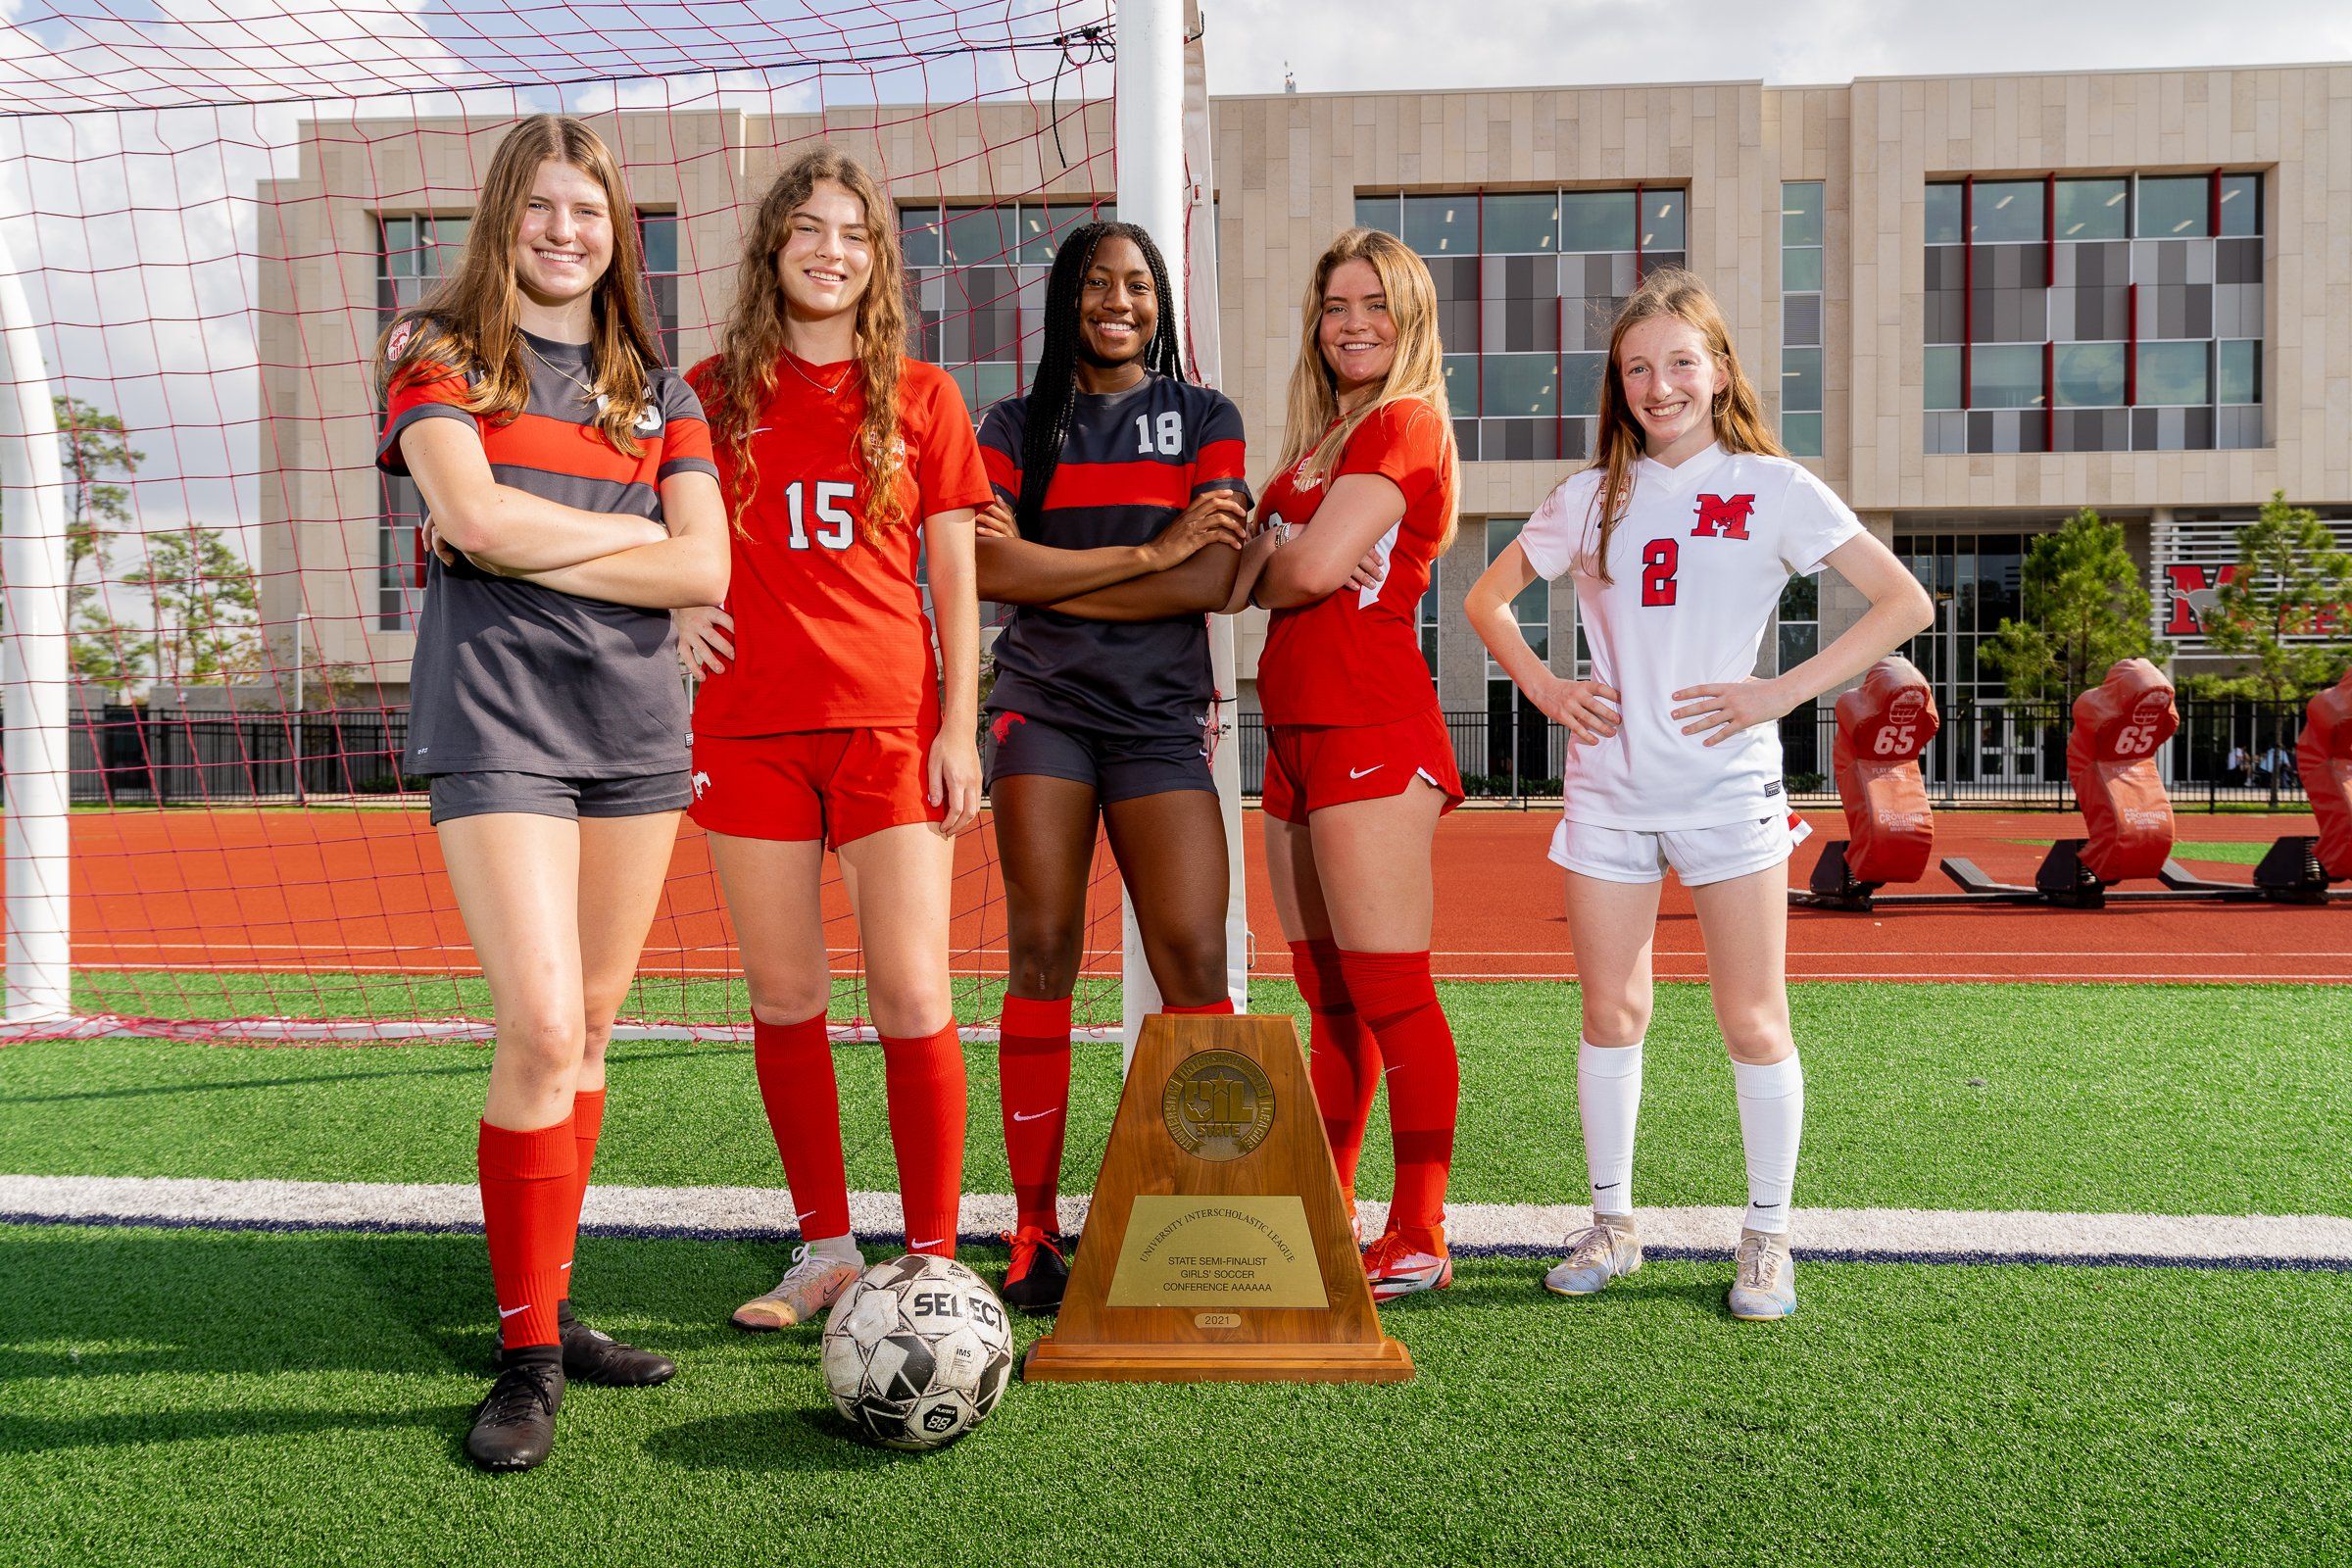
column 751, row 345
column 1618, row 445
column 470, row 318
column 1417, row 371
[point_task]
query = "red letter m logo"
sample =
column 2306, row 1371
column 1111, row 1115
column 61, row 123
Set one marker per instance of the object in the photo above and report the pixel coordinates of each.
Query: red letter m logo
column 2191, row 591
column 1722, row 518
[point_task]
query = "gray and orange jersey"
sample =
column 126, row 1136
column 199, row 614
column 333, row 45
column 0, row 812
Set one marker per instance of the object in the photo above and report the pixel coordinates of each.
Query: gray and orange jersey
column 1133, row 461
column 513, row 678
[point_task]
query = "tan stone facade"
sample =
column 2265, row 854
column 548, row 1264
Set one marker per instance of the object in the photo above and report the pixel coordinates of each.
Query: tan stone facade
column 1288, row 170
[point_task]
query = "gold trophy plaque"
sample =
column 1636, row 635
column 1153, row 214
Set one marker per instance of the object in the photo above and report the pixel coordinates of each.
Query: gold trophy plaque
column 1216, row 1249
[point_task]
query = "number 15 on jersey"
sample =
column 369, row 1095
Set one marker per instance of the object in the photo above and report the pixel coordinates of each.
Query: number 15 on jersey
column 834, row 527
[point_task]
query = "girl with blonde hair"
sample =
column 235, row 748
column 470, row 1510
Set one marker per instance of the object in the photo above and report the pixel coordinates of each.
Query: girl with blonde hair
column 1681, row 537
column 571, row 503
column 1358, row 765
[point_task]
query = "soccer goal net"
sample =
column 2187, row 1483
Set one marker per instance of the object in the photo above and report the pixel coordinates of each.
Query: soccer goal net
column 208, row 215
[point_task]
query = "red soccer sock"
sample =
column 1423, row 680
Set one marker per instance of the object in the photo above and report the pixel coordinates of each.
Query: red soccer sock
column 527, row 1182
column 1343, row 1059
column 924, row 1080
column 587, row 1123
column 1221, row 1008
column 795, row 1063
column 1033, row 1090
column 1393, row 993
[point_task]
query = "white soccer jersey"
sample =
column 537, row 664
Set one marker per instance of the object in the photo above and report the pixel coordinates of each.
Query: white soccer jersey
column 1700, row 560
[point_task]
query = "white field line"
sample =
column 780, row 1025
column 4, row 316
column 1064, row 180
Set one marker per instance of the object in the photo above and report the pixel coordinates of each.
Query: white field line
column 2307, row 1240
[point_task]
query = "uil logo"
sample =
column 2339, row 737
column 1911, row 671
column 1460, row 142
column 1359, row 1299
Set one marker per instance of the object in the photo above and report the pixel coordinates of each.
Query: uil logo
column 1724, row 517
column 1218, row 1105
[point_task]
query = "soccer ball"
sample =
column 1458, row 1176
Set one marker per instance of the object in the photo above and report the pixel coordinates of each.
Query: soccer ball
column 916, row 1352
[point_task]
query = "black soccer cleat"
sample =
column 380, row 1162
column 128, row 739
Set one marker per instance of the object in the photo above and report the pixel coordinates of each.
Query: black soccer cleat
column 514, row 1428
column 1040, row 1271
column 591, row 1355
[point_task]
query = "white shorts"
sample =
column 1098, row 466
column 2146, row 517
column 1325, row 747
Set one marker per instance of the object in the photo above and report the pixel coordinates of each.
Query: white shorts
column 1698, row 855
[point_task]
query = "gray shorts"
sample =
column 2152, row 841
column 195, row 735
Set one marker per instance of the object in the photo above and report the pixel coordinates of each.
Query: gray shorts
column 1119, row 768
column 456, row 795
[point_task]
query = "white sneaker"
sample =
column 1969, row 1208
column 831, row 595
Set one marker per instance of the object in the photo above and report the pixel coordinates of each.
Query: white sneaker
column 1606, row 1250
column 1763, row 1278
column 813, row 1283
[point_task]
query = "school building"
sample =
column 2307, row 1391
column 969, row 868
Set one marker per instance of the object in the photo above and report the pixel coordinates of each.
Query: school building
column 1974, row 304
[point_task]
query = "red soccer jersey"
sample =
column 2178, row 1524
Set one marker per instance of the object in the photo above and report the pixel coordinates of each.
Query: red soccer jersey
column 830, row 625
column 1354, row 655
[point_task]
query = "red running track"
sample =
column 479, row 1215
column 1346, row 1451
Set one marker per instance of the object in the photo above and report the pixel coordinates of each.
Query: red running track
column 336, row 889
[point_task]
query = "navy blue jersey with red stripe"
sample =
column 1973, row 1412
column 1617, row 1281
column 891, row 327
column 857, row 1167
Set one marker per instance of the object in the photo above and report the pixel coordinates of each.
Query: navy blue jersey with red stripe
column 1133, row 462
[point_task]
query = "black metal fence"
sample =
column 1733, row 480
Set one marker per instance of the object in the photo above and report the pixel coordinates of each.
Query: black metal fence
column 2232, row 752
column 2227, row 752
column 127, row 757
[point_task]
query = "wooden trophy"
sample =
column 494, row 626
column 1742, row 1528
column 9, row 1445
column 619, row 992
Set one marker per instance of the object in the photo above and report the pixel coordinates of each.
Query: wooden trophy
column 1217, row 1249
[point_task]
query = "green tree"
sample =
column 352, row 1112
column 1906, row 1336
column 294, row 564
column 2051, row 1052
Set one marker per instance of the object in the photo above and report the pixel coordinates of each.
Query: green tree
column 94, row 450
column 207, row 608
column 2085, row 606
column 2292, row 582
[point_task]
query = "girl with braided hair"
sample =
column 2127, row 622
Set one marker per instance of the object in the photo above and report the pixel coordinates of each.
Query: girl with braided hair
column 824, row 720
column 1116, row 531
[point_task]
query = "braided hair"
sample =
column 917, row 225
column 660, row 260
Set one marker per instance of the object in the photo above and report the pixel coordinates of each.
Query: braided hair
column 1053, row 395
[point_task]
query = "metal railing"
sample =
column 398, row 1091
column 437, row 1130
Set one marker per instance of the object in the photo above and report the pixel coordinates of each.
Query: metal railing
column 2237, row 751
column 2226, row 753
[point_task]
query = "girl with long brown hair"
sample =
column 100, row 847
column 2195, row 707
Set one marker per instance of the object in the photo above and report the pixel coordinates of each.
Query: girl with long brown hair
column 1358, row 766
column 571, row 503
column 824, row 720
column 1681, row 537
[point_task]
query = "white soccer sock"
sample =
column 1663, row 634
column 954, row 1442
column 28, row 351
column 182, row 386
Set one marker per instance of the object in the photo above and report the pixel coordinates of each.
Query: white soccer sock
column 1608, row 1096
column 840, row 1249
column 1772, row 1121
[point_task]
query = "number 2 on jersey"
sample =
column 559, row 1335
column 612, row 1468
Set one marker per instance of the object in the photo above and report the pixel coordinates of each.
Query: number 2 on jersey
column 1659, row 560
column 834, row 527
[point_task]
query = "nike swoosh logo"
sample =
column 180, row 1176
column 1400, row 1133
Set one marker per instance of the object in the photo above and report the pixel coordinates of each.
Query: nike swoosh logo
column 916, row 1247
column 1033, row 1115
column 1359, row 772
column 1385, row 1071
column 567, row 1265
column 1763, row 1205
column 1606, row 1187
column 504, row 1312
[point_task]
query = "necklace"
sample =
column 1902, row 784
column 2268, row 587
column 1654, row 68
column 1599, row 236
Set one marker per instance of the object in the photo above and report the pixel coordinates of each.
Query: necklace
column 838, row 381
column 587, row 391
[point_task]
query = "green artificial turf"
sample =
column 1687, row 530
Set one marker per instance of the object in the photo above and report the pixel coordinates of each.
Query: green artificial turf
column 2145, row 1099
column 178, row 1398
column 2230, row 854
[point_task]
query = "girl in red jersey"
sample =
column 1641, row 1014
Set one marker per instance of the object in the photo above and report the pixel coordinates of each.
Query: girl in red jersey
column 823, row 721
column 1359, row 767
column 1117, row 527
column 572, row 502
column 1682, row 536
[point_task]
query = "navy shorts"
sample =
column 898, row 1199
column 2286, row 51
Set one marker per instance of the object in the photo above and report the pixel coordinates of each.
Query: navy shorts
column 1119, row 768
column 483, row 794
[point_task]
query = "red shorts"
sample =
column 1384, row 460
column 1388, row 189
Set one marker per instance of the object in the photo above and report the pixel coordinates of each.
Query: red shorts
column 837, row 785
column 1309, row 766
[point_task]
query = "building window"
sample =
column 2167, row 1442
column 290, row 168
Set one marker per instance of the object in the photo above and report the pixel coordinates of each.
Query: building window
column 1427, row 618
column 977, row 286
column 1532, row 608
column 2119, row 313
column 415, row 252
column 1528, row 286
column 1800, row 317
column 1799, row 639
